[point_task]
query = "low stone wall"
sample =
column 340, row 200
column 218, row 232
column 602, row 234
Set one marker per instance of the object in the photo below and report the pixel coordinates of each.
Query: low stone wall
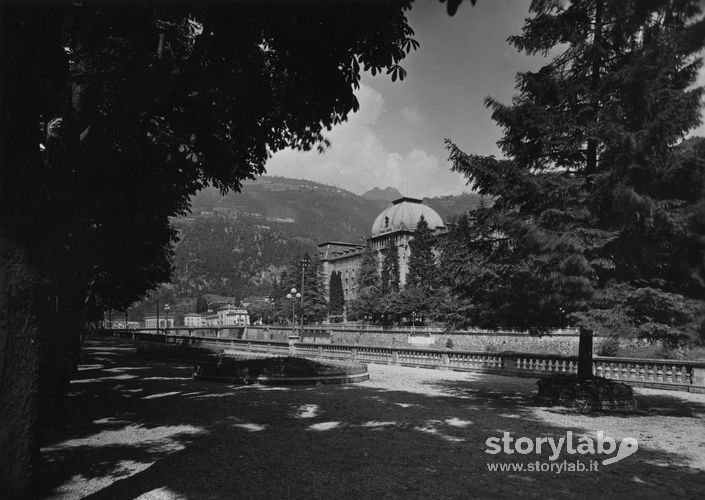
column 563, row 342
column 658, row 373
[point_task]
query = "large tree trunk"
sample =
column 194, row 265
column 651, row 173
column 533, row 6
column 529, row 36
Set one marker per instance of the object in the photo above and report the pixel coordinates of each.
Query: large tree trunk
column 23, row 40
column 19, row 369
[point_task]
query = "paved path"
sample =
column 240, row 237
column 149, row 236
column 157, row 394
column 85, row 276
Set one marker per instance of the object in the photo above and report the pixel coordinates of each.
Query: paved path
column 142, row 429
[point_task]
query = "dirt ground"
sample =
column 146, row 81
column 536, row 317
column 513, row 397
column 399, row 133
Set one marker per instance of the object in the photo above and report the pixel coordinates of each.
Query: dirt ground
column 147, row 430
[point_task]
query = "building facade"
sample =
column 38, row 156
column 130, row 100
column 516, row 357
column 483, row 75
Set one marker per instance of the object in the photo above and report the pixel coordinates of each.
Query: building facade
column 163, row 322
column 393, row 228
column 232, row 316
column 228, row 315
column 195, row 320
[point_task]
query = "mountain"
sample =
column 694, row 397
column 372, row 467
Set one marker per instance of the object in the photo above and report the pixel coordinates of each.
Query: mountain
column 386, row 194
column 450, row 207
column 239, row 244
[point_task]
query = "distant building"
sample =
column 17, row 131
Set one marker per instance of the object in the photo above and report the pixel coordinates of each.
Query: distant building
column 194, row 320
column 395, row 227
column 164, row 322
column 228, row 315
column 232, row 316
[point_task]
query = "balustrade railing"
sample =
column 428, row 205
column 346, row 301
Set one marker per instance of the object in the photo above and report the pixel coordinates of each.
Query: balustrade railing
column 660, row 373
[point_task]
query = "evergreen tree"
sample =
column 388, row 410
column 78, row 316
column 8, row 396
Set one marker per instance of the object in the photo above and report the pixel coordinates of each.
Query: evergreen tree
column 422, row 261
column 369, row 288
column 589, row 142
column 390, row 269
column 283, row 305
column 420, row 294
column 315, row 303
column 201, row 304
column 337, row 298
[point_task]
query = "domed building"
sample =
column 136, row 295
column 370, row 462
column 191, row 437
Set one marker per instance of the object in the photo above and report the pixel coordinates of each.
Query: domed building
column 394, row 227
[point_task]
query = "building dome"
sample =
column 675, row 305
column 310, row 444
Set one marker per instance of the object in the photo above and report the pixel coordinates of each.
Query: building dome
column 404, row 214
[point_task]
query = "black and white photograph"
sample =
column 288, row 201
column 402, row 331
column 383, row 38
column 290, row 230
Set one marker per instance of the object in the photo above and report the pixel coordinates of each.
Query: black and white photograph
column 352, row 249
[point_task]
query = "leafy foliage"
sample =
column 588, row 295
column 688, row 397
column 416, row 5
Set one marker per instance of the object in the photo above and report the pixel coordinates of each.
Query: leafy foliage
column 156, row 101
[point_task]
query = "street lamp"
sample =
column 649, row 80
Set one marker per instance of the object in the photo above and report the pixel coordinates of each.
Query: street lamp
column 166, row 310
column 293, row 295
column 305, row 262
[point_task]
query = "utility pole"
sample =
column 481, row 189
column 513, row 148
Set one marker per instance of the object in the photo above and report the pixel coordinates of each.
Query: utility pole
column 305, row 262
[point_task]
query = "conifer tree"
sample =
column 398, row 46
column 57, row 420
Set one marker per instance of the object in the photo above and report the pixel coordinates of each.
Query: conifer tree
column 369, row 288
column 420, row 295
column 422, row 262
column 337, row 299
column 315, row 304
column 588, row 142
column 390, row 269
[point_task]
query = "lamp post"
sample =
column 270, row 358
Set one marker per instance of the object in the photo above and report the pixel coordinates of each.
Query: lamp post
column 305, row 262
column 293, row 295
column 166, row 310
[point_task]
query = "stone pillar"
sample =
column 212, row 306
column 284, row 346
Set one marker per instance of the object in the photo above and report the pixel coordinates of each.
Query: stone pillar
column 698, row 379
column 508, row 362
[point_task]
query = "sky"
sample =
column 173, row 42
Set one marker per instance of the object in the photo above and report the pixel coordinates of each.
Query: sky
column 396, row 138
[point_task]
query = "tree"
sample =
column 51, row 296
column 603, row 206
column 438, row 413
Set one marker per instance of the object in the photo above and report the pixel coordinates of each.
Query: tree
column 589, row 141
column 201, row 304
column 337, row 299
column 420, row 293
column 137, row 107
column 390, row 269
column 369, row 288
column 422, row 261
column 457, row 259
column 315, row 303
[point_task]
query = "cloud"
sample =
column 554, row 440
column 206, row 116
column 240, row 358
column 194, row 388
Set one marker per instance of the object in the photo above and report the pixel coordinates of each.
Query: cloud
column 411, row 114
column 358, row 160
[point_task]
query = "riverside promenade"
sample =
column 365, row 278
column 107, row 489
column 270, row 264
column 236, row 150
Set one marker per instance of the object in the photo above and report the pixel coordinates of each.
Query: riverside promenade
column 145, row 429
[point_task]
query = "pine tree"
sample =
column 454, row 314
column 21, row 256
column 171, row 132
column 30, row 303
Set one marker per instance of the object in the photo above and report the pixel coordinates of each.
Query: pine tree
column 420, row 295
column 588, row 141
column 390, row 269
column 422, row 261
column 201, row 304
column 315, row 304
column 337, row 299
column 369, row 288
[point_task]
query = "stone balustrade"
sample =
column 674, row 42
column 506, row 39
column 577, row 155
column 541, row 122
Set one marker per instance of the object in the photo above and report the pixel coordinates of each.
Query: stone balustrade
column 657, row 373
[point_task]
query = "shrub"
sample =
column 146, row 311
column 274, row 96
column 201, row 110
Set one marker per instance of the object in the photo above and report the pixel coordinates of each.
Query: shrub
column 609, row 347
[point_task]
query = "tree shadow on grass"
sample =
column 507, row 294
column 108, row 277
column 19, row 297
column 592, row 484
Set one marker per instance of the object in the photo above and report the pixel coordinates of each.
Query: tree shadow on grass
column 183, row 438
